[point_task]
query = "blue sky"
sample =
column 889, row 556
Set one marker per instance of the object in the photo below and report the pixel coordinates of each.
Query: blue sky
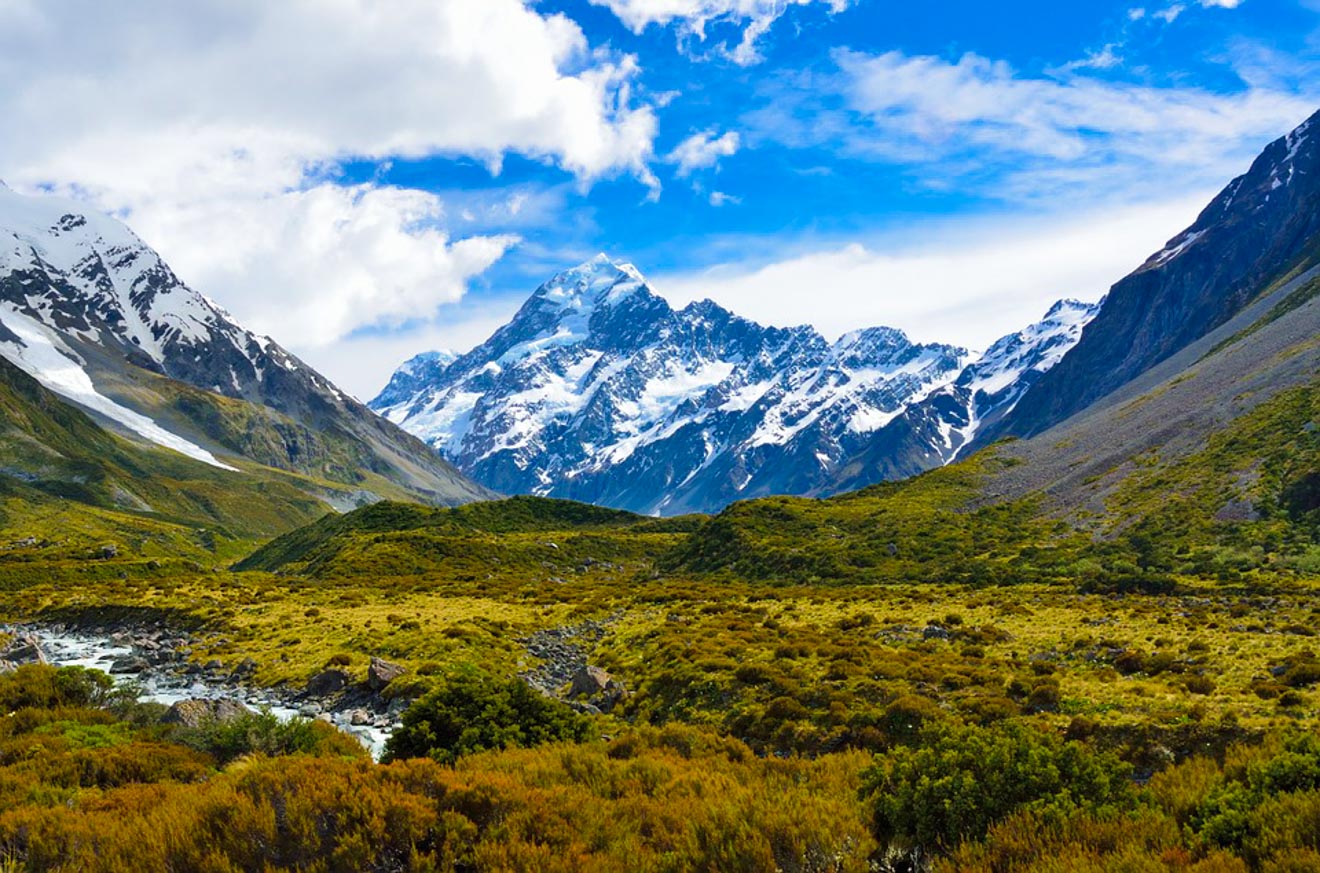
column 948, row 168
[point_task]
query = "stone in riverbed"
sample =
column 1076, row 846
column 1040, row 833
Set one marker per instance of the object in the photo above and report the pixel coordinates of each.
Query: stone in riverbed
column 129, row 664
column 24, row 649
column 589, row 681
column 602, row 690
column 382, row 673
column 327, row 682
column 196, row 711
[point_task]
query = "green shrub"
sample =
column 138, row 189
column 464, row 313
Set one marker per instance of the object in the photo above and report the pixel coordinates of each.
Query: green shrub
column 471, row 713
column 45, row 687
column 262, row 733
column 962, row 780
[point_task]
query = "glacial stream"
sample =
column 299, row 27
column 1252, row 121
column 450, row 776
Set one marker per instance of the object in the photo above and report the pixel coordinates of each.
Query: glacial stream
column 65, row 648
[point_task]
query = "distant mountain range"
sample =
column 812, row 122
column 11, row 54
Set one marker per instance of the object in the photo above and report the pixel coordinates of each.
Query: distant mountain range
column 598, row 390
column 98, row 318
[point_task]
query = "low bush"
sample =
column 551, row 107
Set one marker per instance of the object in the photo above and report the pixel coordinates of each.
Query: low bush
column 471, row 713
column 962, row 780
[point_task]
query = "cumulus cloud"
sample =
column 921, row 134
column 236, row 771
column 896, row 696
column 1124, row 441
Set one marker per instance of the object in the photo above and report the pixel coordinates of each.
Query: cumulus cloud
column 695, row 16
column 960, row 282
column 324, row 261
column 702, row 150
column 216, row 128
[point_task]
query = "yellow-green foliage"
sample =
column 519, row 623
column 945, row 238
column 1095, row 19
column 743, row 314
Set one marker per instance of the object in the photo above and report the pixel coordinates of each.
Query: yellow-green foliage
column 654, row 800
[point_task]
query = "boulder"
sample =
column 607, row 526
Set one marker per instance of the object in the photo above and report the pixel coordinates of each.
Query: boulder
column 23, row 649
column 382, row 673
column 129, row 664
column 602, row 690
column 196, row 711
column 935, row 632
column 327, row 682
column 589, row 681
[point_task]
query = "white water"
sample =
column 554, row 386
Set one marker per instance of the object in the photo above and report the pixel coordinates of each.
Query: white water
column 96, row 651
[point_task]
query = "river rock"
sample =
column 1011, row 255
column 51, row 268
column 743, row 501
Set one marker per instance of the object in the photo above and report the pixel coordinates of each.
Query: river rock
column 327, row 682
column 129, row 664
column 196, row 711
column 359, row 717
column 23, row 649
column 382, row 673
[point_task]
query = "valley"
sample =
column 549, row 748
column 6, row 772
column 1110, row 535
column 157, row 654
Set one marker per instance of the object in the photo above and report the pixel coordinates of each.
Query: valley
column 636, row 587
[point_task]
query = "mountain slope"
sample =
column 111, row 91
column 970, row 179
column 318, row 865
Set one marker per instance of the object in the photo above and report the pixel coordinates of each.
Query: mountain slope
column 1262, row 227
column 68, row 482
column 940, row 427
column 95, row 315
column 1207, row 465
column 598, row 390
column 1146, row 442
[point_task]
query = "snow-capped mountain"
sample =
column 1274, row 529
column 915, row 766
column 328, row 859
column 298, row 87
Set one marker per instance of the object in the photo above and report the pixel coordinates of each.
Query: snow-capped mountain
column 94, row 314
column 937, row 429
column 599, row 390
column 990, row 386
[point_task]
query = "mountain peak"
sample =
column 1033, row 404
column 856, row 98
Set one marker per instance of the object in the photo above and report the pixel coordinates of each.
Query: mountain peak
column 598, row 390
column 436, row 358
column 597, row 280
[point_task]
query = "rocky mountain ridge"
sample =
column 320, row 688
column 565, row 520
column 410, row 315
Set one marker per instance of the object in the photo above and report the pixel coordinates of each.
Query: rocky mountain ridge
column 1261, row 230
column 598, row 390
column 98, row 317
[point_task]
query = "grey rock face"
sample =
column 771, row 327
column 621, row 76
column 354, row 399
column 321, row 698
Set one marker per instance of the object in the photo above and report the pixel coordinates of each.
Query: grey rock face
column 1257, row 228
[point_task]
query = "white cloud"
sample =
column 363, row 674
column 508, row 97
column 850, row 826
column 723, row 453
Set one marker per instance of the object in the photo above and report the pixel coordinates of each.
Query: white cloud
column 962, row 283
column 719, row 198
column 1029, row 138
column 985, row 102
column 311, row 266
column 695, row 16
column 702, row 150
column 214, row 127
